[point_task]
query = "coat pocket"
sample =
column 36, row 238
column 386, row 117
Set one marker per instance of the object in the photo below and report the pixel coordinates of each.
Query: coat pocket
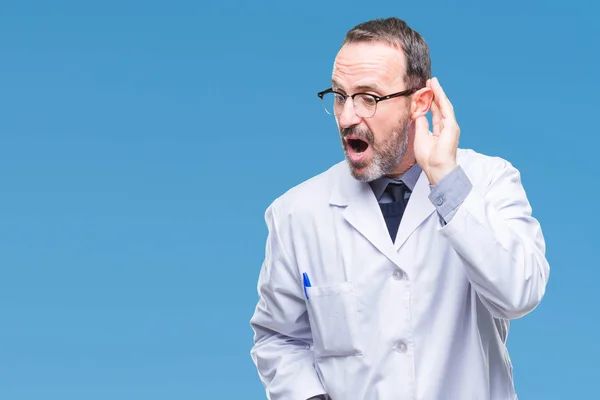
column 334, row 320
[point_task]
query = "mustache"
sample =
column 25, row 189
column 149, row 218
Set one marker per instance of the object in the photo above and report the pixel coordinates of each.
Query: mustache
column 363, row 134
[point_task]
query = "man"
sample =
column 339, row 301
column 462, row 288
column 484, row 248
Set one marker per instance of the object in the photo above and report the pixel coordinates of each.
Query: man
column 394, row 274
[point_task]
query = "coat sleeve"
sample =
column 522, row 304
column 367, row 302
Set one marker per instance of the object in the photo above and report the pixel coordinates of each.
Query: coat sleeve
column 282, row 350
column 502, row 244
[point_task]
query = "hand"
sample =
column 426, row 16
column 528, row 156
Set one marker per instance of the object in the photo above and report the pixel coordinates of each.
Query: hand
column 436, row 153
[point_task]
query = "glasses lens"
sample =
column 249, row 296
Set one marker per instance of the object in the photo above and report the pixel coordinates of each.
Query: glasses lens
column 333, row 103
column 365, row 105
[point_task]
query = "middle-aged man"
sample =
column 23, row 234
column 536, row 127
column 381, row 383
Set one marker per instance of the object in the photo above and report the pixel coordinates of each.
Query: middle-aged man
column 394, row 274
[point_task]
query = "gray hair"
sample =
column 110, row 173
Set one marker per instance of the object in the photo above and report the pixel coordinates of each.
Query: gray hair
column 398, row 34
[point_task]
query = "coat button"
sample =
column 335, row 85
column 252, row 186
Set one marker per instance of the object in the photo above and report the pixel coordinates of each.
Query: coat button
column 440, row 201
column 401, row 347
column 398, row 275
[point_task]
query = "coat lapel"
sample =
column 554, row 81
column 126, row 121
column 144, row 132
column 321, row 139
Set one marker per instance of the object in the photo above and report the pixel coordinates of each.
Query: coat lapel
column 419, row 207
column 363, row 213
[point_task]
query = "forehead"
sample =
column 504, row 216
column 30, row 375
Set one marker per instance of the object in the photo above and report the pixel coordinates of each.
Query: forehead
column 368, row 64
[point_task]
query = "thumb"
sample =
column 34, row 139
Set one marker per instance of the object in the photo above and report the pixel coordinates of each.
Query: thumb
column 421, row 128
column 422, row 143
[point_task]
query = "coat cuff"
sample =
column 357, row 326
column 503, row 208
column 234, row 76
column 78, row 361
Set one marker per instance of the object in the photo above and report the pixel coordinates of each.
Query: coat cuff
column 450, row 193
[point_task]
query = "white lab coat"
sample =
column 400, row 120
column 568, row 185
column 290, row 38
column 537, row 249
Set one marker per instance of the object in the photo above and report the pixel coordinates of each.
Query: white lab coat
column 425, row 318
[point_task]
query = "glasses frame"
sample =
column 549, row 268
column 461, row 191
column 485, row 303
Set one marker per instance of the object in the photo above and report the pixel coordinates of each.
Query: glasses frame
column 406, row 92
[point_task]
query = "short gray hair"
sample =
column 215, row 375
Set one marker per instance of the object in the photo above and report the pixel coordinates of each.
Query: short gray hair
column 398, row 34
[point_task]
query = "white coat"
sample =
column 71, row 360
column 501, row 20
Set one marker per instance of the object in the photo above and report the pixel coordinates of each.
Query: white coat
column 424, row 318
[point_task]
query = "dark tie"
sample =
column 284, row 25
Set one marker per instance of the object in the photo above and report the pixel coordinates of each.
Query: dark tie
column 392, row 212
column 396, row 191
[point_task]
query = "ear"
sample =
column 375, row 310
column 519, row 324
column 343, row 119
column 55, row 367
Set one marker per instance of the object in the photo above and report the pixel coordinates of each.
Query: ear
column 421, row 102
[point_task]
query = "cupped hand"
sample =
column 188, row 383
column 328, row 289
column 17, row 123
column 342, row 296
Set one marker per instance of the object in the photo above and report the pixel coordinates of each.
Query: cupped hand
column 436, row 151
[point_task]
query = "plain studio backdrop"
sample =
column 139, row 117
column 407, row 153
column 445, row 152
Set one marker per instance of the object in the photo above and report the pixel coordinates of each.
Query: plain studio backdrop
column 140, row 144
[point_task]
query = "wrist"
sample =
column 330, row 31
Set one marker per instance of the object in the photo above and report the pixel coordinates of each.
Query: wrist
column 436, row 174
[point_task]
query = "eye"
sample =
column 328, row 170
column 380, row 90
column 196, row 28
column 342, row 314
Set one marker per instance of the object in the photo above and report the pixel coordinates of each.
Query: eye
column 367, row 101
column 339, row 99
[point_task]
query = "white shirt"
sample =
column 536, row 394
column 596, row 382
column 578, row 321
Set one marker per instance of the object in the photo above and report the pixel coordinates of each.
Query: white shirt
column 423, row 318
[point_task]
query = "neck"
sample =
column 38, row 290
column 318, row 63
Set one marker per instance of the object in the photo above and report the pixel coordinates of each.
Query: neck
column 405, row 164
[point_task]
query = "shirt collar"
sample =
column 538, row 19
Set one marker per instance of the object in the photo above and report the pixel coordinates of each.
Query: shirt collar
column 409, row 178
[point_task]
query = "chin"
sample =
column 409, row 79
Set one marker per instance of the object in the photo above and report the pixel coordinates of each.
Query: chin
column 364, row 172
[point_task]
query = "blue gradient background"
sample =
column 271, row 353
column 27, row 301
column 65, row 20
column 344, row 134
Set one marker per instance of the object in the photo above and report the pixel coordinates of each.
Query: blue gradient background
column 140, row 143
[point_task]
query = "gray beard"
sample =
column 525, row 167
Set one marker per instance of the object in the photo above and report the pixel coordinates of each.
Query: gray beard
column 386, row 155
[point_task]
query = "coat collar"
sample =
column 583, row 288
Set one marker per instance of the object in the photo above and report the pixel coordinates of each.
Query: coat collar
column 363, row 213
column 409, row 178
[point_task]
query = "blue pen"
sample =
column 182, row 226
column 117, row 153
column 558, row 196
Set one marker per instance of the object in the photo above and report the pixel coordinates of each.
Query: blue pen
column 306, row 284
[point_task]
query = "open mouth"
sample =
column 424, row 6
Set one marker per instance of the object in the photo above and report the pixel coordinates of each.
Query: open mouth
column 357, row 145
column 358, row 150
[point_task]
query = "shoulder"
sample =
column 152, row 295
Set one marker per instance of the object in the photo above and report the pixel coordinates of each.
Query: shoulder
column 310, row 194
column 482, row 169
column 492, row 176
column 471, row 159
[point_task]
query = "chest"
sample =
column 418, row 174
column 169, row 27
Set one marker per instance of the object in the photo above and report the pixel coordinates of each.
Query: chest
column 331, row 251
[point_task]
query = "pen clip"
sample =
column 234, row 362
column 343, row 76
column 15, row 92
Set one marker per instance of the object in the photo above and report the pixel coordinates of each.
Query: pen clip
column 306, row 283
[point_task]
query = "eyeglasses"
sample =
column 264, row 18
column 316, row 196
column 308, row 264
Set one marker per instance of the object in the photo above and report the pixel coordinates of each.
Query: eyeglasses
column 365, row 104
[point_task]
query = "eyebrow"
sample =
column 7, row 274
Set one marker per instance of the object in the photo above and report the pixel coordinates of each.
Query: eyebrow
column 361, row 88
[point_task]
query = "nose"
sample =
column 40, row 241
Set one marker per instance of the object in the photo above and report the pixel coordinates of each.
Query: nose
column 348, row 116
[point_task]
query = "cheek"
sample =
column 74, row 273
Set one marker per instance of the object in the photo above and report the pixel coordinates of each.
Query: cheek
column 382, row 130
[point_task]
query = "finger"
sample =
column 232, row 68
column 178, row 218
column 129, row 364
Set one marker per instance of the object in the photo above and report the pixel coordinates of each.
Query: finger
column 436, row 117
column 439, row 128
column 442, row 100
column 450, row 140
column 445, row 106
